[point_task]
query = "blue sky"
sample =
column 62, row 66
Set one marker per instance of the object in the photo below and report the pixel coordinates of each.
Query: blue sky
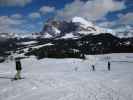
column 26, row 16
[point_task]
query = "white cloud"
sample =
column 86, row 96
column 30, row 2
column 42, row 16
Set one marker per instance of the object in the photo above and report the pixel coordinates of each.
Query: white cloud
column 8, row 24
column 14, row 2
column 125, row 18
column 46, row 9
column 14, row 25
column 91, row 10
column 106, row 24
column 7, row 20
column 34, row 15
column 16, row 16
column 122, row 24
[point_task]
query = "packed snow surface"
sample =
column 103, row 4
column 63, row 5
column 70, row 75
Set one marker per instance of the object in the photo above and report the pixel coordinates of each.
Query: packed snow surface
column 69, row 79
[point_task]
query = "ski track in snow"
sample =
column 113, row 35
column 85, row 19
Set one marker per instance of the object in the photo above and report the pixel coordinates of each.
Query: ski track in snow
column 57, row 79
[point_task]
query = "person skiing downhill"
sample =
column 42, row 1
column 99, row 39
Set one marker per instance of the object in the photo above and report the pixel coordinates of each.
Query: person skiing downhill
column 18, row 68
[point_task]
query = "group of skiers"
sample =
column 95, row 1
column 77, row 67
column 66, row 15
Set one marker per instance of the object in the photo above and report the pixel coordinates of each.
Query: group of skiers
column 19, row 68
column 93, row 67
column 108, row 67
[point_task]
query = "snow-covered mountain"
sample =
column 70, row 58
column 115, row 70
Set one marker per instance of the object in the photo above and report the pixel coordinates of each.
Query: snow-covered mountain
column 85, row 27
column 77, row 27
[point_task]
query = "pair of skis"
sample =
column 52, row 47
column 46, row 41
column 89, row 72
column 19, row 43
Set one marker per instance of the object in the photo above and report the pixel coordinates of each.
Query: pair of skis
column 15, row 79
column 11, row 78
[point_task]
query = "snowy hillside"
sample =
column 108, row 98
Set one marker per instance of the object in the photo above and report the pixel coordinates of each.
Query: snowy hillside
column 69, row 79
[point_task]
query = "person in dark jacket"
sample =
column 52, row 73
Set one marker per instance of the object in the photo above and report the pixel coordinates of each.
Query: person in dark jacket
column 93, row 67
column 108, row 65
column 18, row 68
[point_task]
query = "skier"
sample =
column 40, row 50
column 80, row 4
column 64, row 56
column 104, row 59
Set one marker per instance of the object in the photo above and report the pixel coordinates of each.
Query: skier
column 18, row 69
column 76, row 69
column 93, row 68
column 108, row 65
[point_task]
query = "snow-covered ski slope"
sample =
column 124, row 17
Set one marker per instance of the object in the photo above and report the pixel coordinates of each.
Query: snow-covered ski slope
column 69, row 79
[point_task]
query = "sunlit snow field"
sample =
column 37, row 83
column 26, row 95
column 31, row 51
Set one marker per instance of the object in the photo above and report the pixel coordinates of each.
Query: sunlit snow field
column 69, row 79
